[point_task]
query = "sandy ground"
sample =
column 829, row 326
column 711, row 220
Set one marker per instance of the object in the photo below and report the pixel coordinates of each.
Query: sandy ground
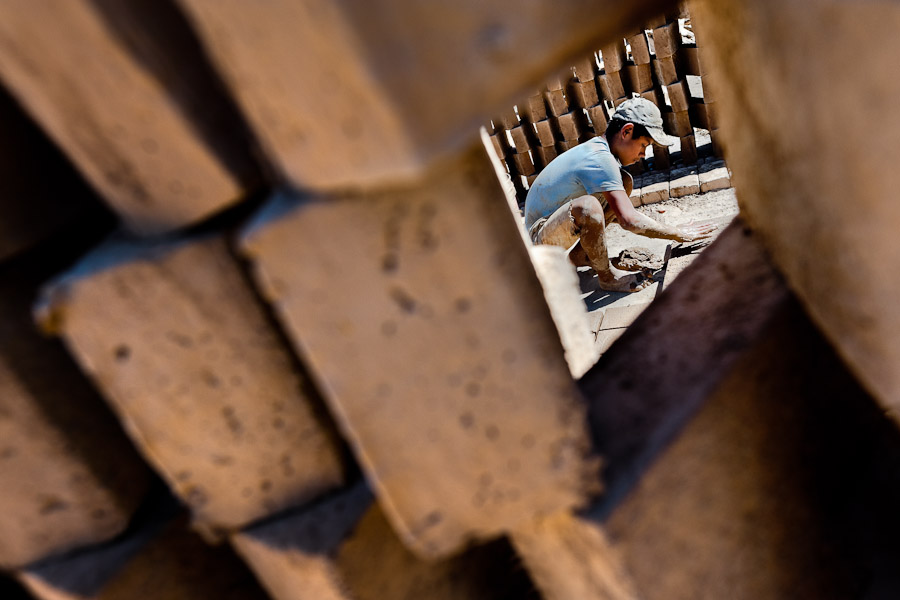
column 718, row 207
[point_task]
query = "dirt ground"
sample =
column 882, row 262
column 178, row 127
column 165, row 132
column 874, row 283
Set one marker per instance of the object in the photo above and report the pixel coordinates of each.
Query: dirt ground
column 611, row 312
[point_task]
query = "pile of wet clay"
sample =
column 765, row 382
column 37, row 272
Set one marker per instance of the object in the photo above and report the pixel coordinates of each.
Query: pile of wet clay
column 636, row 259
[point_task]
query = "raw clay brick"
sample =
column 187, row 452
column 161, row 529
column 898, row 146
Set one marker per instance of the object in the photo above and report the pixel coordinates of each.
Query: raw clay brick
column 385, row 86
column 666, row 71
column 144, row 148
column 597, row 114
column 483, row 345
column 536, row 109
column 613, row 55
column 684, row 183
column 585, row 69
column 68, row 474
column 655, row 188
column 584, row 93
column 156, row 560
column 610, row 85
column 704, row 115
column 556, row 102
column 524, row 164
column 666, row 40
column 520, row 138
column 661, row 159
column 689, row 150
column 714, row 179
column 568, row 127
column 654, row 96
column 563, row 294
column 570, row 557
column 640, row 78
column 547, row 154
column 693, row 501
column 640, row 50
column 344, row 549
column 678, row 96
column 677, row 123
column 545, row 133
column 208, row 389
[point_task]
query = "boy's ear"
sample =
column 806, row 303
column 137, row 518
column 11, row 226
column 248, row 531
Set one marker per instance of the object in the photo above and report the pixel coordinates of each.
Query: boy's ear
column 628, row 129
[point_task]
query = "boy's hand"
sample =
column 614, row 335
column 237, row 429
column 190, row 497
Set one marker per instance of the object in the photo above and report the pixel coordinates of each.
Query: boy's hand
column 695, row 231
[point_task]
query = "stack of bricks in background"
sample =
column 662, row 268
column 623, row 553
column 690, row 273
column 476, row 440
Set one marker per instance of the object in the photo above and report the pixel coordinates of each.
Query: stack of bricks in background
column 659, row 62
column 200, row 382
column 356, row 391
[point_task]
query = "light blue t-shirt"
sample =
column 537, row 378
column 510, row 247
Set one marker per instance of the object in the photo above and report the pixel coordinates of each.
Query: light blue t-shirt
column 588, row 168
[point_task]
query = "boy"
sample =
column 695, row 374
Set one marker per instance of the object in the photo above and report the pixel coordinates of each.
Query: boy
column 582, row 190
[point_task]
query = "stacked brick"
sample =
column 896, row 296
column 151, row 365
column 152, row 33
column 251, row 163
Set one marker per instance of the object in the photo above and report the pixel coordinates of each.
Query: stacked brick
column 566, row 113
column 654, row 62
column 198, row 381
column 357, row 390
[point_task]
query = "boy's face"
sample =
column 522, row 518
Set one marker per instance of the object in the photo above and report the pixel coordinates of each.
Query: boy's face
column 629, row 149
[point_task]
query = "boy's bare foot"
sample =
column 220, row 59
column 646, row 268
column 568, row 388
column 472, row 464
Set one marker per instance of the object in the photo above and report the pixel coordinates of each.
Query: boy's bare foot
column 621, row 281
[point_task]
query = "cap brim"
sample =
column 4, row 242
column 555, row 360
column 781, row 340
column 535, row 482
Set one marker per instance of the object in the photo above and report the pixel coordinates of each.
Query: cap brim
column 661, row 137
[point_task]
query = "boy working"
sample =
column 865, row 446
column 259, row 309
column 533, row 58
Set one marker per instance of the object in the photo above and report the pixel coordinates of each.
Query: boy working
column 579, row 192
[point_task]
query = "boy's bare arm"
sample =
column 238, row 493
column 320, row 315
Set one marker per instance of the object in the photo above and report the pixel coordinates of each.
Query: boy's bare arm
column 639, row 223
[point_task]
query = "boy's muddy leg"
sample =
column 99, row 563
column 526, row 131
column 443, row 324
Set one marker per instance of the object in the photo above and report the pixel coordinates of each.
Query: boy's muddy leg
column 578, row 257
column 590, row 226
column 583, row 218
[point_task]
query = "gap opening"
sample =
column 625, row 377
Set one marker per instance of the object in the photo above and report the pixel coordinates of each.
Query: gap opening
column 677, row 185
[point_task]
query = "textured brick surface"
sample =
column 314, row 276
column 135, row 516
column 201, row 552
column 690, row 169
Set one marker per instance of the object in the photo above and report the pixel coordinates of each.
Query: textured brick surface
column 640, row 50
column 714, row 179
column 344, row 549
column 452, row 469
column 655, row 188
column 634, row 416
column 158, row 560
column 556, row 102
column 677, row 123
column 570, row 557
column 597, row 114
column 545, row 132
column 524, row 164
column 207, row 388
column 640, row 78
column 703, row 115
column 849, row 242
column 661, row 157
column 678, row 96
column 547, row 153
column 784, row 468
column 584, row 93
column 689, row 149
column 666, row 39
column 563, row 293
column 69, row 475
column 425, row 74
column 613, row 55
column 666, row 72
column 610, row 85
column 568, row 127
column 106, row 104
column 684, row 182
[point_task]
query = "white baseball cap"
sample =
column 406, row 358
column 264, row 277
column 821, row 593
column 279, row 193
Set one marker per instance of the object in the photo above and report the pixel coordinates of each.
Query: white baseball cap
column 643, row 112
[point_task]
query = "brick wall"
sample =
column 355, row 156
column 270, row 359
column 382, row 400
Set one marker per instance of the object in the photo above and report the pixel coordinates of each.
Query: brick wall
column 269, row 330
column 660, row 61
